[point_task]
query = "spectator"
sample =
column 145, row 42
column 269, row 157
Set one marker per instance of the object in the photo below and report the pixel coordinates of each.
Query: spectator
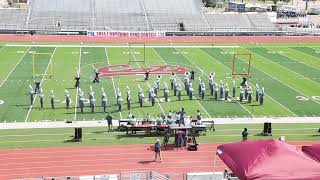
column 245, row 134
column 109, row 120
column 157, row 150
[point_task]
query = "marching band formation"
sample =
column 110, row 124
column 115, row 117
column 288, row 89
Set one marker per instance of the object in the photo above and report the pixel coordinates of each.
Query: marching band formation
column 218, row 91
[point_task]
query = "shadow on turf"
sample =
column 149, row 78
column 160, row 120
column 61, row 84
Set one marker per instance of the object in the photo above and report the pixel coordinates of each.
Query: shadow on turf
column 100, row 132
column 315, row 135
column 23, row 105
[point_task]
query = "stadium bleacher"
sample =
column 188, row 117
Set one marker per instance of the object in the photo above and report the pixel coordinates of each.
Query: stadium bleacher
column 134, row 15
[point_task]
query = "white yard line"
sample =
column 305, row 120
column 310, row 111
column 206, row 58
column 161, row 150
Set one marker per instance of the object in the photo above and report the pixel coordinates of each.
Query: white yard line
column 5, row 79
column 305, row 53
column 77, row 93
column 117, row 46
column 114, row 87
column 62, row 124
column 304, row 77
column 27, row 116
column 314, row 48
column 147, row 82
column 250, row 83
column 182, row 83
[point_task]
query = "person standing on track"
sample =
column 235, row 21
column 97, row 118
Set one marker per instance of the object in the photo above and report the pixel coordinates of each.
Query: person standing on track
column 157, row 150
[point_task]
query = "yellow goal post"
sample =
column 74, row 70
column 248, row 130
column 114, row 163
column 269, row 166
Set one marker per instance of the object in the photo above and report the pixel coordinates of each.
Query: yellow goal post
column 241, row 64
column 40, row 65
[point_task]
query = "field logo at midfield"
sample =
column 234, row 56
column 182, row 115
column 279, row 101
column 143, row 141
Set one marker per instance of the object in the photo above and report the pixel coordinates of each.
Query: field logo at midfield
column 125, row 69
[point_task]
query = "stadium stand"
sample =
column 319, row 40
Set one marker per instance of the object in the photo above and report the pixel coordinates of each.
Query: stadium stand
column 134, row 15
column 12, row 18
column 240, row 21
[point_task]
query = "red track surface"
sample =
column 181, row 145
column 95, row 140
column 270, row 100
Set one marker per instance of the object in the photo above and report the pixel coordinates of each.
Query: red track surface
column 77, row 161
column 218, row 39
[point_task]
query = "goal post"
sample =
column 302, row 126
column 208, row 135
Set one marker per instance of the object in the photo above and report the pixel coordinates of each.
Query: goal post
column 241, row 64
column 137, row 53
column 41, row 65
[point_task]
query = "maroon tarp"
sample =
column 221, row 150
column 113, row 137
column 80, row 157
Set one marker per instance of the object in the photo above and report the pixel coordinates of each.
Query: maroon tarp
column 268, row 160
column 313, row 151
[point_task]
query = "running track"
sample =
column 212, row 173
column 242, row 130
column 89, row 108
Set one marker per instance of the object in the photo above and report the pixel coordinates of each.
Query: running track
column 95, row 160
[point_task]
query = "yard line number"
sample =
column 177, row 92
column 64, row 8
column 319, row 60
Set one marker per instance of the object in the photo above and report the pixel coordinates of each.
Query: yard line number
column 304, row 98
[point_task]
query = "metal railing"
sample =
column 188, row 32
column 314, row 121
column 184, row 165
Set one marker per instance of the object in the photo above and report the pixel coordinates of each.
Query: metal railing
column 142, row 175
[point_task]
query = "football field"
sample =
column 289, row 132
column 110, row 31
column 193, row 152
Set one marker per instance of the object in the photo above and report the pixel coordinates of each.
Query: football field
column 289, row 72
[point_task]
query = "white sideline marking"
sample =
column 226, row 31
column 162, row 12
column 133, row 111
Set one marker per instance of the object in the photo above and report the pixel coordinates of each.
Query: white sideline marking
column 117, row 46
column 2, row 47
column 1, row 101
column 182, row 83
column 64, row 134
column 283, row 82
column 114, row 87
column 250, row 83
column 77, row 93
column 14, row 68
column 41, row 82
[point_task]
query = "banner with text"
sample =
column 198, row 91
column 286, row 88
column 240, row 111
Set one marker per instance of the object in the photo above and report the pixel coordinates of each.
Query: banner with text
column 127, row 33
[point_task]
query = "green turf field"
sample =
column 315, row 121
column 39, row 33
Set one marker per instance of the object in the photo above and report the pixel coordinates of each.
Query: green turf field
column 290, row 74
